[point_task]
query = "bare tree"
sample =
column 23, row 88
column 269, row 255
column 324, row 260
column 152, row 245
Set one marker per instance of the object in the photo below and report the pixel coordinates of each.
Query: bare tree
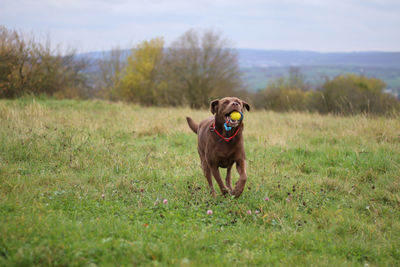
column 296, row 79
column 111, row 68
column 199, row 67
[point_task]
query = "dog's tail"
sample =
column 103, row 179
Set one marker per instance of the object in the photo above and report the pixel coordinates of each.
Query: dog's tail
column 194, row 126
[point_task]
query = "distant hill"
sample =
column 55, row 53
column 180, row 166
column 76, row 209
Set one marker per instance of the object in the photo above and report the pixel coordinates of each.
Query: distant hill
column 256, row 78
column 260, row 66
column 281, row 58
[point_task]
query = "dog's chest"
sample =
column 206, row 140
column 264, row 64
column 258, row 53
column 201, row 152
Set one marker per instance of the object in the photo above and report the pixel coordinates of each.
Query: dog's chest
column 224, row 158
column 225, row 162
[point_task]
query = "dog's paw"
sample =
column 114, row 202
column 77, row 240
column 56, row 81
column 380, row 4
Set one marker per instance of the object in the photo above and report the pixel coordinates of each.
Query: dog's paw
column 230, row 189
column 212, row 192
column 225, row 191
column 237, row 193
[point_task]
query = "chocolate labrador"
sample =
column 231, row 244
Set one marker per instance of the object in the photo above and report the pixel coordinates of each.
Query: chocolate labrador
column 220, row 143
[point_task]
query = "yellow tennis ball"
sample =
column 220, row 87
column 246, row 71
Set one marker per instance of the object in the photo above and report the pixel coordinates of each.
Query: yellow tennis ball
column 235, row 116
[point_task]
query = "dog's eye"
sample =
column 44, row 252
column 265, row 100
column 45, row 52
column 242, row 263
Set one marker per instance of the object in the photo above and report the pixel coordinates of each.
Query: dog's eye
column 226, row 102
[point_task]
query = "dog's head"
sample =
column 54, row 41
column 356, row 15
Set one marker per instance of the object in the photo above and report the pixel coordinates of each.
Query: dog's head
column 222, row 108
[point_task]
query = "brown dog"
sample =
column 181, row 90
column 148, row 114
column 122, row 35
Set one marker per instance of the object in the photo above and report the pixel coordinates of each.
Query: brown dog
column 220, row 147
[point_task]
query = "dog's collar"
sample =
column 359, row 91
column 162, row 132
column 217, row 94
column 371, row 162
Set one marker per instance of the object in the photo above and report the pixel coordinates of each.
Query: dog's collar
column 226, row 139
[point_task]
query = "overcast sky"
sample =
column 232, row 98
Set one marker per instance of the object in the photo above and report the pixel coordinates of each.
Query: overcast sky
column 325, row 25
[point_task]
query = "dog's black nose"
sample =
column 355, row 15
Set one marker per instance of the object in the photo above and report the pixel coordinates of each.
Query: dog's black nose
column 235, row 103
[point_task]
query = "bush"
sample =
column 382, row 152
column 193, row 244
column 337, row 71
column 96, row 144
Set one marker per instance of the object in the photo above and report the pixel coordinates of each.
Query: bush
column 351, row 94
column 285, row 94
column 141, row 81
column 345, row 94
column 29, row 67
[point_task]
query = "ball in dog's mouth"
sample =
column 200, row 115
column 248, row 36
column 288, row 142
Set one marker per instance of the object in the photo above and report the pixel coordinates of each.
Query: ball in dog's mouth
column 231, row 122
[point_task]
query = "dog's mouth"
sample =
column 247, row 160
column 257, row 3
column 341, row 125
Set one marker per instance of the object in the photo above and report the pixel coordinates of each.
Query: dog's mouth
column 231, row 122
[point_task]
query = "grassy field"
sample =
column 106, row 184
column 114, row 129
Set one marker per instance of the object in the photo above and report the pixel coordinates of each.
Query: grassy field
column 84, row 183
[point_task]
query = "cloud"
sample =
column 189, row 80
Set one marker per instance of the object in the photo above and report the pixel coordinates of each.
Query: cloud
column 286, row 24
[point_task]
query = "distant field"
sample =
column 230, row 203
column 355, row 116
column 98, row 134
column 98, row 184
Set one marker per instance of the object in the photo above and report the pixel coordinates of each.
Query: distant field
column 258, row 77
column 83, row 183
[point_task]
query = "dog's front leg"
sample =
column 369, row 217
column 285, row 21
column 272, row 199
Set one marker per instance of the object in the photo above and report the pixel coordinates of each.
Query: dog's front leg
column 241, row 168
column 217, row 176
column 207, row 173
column 228, row 178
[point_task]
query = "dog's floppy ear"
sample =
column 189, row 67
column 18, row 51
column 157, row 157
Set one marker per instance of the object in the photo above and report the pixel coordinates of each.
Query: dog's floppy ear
column 214, row 106
column 247, row 106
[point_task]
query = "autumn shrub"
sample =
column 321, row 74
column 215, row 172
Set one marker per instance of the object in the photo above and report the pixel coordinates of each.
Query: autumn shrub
column 31, row 67
column 345, row 94
column 352, row 94
column 285, row 94
column 141, row 80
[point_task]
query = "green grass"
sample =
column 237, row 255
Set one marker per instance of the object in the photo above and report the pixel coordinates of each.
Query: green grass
column 82, row 183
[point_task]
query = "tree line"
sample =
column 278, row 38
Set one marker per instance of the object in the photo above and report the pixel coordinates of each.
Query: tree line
column 31, row 67
column 345, row 94
column 194, row 69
